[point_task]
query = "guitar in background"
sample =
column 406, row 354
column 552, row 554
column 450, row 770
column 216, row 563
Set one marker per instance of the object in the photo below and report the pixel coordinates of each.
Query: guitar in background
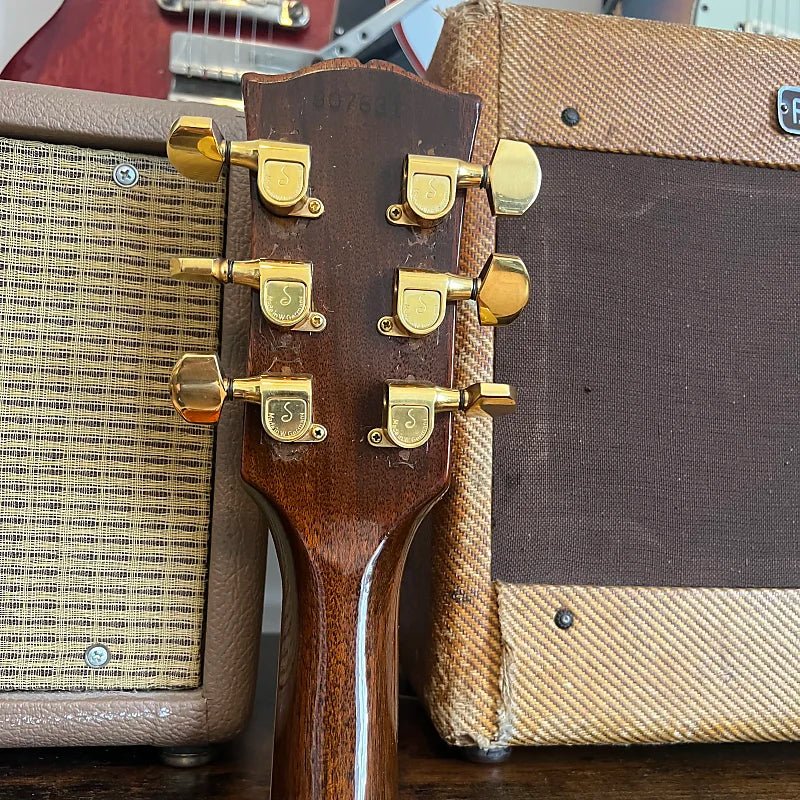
column 129, row 48
column 419, row 31
column 124, row 47
column 767, row 17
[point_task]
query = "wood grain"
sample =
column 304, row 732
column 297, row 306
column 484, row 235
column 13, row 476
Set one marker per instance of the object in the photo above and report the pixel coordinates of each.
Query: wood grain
column 345, row 512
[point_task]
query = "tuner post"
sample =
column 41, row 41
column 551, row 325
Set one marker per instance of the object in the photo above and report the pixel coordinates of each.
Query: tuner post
column 284, row 286
column 198, row 151
column 501, row 292
column 511, row 180
column 198, row 391
column 409, row 409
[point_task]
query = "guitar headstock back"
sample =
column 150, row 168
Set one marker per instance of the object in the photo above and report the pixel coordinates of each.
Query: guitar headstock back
column 343, row 495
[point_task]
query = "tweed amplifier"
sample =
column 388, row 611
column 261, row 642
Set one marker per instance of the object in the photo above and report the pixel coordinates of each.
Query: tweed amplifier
column 131, row 565
column 621, row 564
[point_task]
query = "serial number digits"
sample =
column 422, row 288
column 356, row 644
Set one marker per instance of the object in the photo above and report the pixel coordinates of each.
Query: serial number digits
column 352, row 102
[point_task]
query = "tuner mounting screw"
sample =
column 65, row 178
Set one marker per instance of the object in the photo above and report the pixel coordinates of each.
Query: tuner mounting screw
column 375, row 437
column 319, row 432
column 395, row 212
column 386, row 325
column 126, row 175
column 314, row 206
column 317, row 320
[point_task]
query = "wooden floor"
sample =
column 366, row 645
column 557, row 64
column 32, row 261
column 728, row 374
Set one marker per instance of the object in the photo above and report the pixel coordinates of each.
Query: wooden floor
column 429, row 770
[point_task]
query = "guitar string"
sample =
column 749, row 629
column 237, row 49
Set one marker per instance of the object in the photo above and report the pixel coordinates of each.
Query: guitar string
column 190, row 29
column 205, row 39
column 253, row 26
column 238, row 49
column 206, row 35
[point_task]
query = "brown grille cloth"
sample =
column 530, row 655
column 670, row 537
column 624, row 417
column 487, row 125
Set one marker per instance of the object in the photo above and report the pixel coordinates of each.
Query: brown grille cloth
column 104, row 493
column 657, row 440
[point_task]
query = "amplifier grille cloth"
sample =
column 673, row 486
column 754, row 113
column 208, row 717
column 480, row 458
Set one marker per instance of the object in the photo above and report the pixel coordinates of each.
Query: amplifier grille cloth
column 656, row 442
column 104, row 493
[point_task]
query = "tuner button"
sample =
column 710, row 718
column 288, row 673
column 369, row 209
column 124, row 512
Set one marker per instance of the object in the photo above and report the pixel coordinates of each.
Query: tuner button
column 199, row 270
column 502, row 290
column 488, row 400
column 514, row 178
column 198, row 392
column 198, row 151
column 284, row 286
column 197, row 388
column 512, row 181
column 196, row 148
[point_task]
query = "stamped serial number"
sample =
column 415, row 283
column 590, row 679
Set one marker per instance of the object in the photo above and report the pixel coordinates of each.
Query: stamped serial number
column 355, row 103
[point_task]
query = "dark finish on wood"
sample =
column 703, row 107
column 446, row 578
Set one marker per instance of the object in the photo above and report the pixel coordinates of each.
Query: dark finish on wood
column 428, row 769
column 346, row 511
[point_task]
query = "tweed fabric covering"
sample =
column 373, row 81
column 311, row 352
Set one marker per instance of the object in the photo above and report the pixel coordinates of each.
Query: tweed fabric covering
column 643, row 87
column 642, row 665
column 463, row 697
column 104, row 492
column 485, row 48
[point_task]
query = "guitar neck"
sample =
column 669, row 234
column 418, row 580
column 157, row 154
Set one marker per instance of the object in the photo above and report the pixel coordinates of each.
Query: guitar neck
column 336, row 717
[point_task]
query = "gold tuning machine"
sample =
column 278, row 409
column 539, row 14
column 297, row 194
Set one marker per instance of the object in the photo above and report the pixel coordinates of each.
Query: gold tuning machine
column 198, row 392
column 409, row 409
column 284, row 286
column 512, row 180
column 197, row 150
column 420, row 297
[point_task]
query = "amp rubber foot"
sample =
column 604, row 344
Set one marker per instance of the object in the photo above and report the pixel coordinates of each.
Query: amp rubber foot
column 187, row 757
column 494, row 755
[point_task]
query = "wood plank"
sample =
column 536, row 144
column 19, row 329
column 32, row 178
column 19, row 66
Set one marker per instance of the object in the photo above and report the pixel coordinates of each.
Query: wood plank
column 428, row 769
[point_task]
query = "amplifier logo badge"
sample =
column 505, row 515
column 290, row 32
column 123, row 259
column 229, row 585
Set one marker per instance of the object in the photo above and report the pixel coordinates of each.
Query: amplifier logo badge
column 789, row 108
